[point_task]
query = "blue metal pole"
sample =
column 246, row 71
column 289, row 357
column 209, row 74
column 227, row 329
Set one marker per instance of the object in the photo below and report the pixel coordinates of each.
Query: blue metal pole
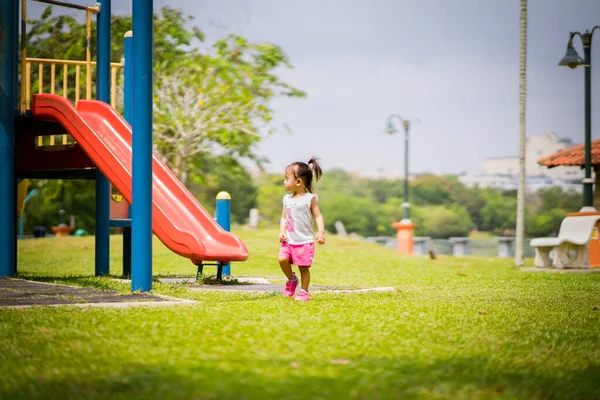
column 8, row 53
column 127, row 82
column 141, row 218
column 127, row 75
column 224, row 219
column 17, row 21
column 102, row 184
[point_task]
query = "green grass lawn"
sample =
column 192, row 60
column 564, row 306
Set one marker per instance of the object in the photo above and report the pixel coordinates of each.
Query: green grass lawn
column 455, row 328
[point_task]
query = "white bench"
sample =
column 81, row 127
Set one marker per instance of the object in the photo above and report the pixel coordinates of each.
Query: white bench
column 571, row 245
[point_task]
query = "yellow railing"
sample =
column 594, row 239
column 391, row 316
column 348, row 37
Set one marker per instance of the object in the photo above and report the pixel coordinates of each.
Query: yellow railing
column 63, row 87
column 25, row 90
column 63, row 84
column 54, row 88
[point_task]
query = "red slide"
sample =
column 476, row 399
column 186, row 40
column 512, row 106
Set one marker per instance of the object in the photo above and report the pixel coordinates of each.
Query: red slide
column 178, row 219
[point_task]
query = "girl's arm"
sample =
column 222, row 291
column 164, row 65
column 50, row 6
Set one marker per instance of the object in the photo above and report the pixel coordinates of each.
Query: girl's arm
column 282, row 237
column 316, row 212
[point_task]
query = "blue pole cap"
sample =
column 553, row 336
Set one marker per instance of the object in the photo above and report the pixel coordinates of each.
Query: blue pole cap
column 223, row 196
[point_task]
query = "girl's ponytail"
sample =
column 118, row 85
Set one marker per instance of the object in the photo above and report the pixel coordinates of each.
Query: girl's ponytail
column 316, row 168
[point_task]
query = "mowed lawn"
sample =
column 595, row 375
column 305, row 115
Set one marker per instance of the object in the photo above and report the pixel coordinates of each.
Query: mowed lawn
column 455, row 328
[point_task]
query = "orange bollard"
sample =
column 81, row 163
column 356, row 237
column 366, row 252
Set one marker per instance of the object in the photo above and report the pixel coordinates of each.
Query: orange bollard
column 404, row 235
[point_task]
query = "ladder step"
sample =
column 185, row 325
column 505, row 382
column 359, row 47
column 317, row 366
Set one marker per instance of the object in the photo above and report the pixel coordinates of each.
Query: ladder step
column 120, row 223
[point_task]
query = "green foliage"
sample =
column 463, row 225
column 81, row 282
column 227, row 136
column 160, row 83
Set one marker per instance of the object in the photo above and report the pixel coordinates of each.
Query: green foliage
column 43, row 209
column 440, row 205
column 470, row 198
column 545, row 223
column 386, row 190
column 555, row 197
column 358, row 214
column 499, row 212
column 225, row 174
column 269, row 198
column 430, row 189
column 441, row 222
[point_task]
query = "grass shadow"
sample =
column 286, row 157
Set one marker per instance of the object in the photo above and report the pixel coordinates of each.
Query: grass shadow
column 364, row 378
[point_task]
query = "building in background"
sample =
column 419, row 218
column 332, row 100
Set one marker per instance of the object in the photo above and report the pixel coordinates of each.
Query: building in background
column 502, row 173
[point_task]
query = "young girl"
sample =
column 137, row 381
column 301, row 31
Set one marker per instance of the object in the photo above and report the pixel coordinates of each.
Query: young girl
column 296, row 226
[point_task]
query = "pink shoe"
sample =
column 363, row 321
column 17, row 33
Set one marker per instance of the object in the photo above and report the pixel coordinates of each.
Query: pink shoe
column 290, row 287
column 303, row 295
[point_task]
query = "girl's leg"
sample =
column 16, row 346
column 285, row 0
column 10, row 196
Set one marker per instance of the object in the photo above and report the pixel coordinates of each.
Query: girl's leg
column 286, row 267
column 305, row 276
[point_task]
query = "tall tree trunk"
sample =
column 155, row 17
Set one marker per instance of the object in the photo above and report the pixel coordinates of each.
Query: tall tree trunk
column 522, row 139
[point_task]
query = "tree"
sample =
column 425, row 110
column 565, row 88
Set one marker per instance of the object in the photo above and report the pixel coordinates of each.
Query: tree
column 470, row 198
column 520, row 234
column 358, row 214
column 225, row 174
column 385, row 190
column 269, row 197
column 430, row 189
column 546, row 223
column 498, row 214
column 218, row 103
column 555, row 197
column 79, row 200
column 442, row 222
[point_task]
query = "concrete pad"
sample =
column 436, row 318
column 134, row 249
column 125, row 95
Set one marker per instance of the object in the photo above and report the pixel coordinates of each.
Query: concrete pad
column 248, row 279
column 562, row 270
column 254, row 280
column 19, row 293
column 257, row 284
column 178, row 302
column 279, row 288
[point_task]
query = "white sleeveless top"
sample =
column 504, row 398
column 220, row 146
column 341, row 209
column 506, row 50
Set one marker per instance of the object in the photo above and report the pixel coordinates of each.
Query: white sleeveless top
column 299, row 219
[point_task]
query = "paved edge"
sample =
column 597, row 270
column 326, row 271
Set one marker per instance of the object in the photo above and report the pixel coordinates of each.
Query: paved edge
column 110, row 305
column 171, row 301
column 375, row 289
column 367, row 290
column 248, row 279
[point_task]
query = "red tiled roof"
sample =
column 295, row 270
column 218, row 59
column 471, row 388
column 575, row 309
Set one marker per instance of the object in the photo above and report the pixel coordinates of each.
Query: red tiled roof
column 572, row 156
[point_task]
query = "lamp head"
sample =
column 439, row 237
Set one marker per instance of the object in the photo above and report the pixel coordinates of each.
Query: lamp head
column 390, row 129
column 571, row 58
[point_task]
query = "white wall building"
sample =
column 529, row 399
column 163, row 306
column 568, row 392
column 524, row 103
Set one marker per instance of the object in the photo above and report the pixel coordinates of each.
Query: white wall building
column 542, row 145
column 503, row 172
column 499, row 166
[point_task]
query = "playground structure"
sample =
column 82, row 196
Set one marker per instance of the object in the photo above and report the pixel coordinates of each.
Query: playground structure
column 91, row 140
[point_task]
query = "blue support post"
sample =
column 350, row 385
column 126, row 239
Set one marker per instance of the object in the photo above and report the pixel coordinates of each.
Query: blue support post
column 8, row 73
column 127, row 81
column 102, row 184
column 224, row 219
column 127, row 75
column 141, row 218
column 17, row 21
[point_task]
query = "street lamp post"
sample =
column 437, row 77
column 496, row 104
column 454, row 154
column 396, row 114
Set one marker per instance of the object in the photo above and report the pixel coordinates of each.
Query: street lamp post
column 390, row 130
column 405, row 228
column 572, row 60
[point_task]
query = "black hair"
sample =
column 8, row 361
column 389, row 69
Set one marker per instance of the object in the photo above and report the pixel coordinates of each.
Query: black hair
column 306, row 171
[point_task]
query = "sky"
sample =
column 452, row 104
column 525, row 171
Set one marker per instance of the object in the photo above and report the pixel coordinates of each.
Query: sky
column 451, row 65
